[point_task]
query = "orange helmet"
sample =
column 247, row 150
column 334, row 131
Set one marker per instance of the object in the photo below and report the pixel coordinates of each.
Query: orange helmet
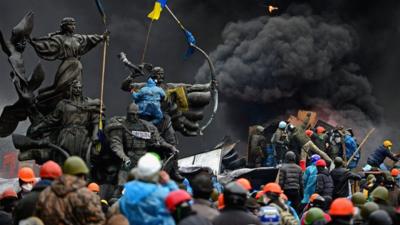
column 175, row 198
column 9, row 193
column 320, row 130
column 50, row 169
column 309, row 133
column 221, row 203
column 341, row 207
column 244, row 183
column 272, row 187
column 394, row 172
column 93, row 187
column 314, row 196
column 26, row 174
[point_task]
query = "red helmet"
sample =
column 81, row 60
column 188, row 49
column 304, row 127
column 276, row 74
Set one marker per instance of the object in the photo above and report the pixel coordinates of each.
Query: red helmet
column 9, row 193
column 309, row 133
column 341, row 207
column 51, row 170
column 321, row 163
column 244, row 183
column 175, row 198
column 320, row 130
column 26, row 174
column 272, row 187
column 93, row 187
column 394, row 172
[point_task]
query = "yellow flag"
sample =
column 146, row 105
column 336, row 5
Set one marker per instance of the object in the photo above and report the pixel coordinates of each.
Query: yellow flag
column 155, row 14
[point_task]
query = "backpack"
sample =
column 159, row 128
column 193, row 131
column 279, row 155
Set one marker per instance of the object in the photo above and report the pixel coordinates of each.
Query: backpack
column 286, row 217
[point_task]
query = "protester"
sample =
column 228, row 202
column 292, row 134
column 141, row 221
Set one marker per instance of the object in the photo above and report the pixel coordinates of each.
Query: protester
column 310, row 179
column 178, row 204
column 25, row 208
column 341, row 212
column 26, row 180
column 202, row 189
column 313, row 215
column 291, row 179
column 380, row 217
column 381, row 197
column 143, row 201
column 375, row 160
column 67, row 200
column 8, row 200
column 280, row 141
column 324, row 181
column 272, row 193
column 341, row 177
column 234, row 212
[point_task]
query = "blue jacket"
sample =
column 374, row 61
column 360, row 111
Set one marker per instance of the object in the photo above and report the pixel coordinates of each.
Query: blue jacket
column 351, row 147
column 379, row 156
column 148, row 99
column 310, row 182
column 143, row 203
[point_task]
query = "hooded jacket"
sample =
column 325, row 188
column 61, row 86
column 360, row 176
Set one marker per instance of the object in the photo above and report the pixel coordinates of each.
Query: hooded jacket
column 143, row 203
column 310, row 182
column 68, row 201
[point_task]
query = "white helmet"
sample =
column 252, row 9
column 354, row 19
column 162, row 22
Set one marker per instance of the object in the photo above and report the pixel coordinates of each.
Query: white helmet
column 148, row 165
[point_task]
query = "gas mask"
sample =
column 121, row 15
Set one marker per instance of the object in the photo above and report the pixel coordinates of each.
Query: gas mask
column 27, row 187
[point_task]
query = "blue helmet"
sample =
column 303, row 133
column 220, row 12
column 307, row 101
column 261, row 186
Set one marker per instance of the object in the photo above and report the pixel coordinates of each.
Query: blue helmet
column 315, row 158
column 282, row 125
column 269, row 215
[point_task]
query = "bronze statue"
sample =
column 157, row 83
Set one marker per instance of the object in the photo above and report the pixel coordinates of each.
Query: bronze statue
column 76, row 119
column 68, row 47
column 130, row 138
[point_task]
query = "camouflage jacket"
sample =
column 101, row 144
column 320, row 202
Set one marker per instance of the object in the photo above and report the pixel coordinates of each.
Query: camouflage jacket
column 68, row 201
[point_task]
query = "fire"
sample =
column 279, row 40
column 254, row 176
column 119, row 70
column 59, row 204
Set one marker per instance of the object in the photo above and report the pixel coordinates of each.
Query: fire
column 272, row 8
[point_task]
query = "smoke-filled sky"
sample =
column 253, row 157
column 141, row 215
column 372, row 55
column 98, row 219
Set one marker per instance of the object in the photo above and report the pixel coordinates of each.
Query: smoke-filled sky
column 335, row 55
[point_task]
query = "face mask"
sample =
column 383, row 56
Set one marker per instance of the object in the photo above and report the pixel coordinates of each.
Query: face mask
column 389, row 147
column 337, row 140
column 27, row 187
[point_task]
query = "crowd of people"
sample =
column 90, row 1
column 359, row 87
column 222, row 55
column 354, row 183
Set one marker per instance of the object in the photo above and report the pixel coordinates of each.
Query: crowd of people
column 308, row 190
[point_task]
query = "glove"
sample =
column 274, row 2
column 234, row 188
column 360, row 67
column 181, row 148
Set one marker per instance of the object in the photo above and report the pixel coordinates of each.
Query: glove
column 175, row 151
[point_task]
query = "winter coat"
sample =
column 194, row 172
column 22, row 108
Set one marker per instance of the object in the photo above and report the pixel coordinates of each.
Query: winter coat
column 204, row 208
column 340, row 177
column 235, row 216
column 195, row 219
column 379, row 155
column 5, row 218
column 310, row 182
column 26, row 206
column 290, row 177
column 68, row 201
column 148, row 99
column 351, row 148
column 143, row 203
column 324, row 184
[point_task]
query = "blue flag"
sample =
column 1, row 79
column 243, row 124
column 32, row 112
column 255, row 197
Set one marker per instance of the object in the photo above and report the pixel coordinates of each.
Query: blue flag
column 190, row 41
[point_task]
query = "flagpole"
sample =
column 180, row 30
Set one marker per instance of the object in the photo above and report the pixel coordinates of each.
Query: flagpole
column 173, row 16
column 147, row 41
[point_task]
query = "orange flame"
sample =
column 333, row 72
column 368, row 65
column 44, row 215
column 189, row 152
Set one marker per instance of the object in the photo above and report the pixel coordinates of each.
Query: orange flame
column 272, row 8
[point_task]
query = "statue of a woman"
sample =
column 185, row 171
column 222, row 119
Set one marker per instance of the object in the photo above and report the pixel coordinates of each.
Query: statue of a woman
column 68, row 47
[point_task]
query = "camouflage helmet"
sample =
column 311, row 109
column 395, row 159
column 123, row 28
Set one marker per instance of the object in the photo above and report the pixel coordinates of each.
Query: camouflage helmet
column 314, row 214
column 380, row 193
column 367, row 209
column 358, row 199
column 74, row 165
column 338, row 162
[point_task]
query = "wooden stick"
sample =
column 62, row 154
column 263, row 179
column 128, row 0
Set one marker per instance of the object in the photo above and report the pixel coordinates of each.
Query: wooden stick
column 359, row 147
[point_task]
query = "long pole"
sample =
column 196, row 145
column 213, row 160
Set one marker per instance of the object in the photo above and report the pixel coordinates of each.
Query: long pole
column 359, row 147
